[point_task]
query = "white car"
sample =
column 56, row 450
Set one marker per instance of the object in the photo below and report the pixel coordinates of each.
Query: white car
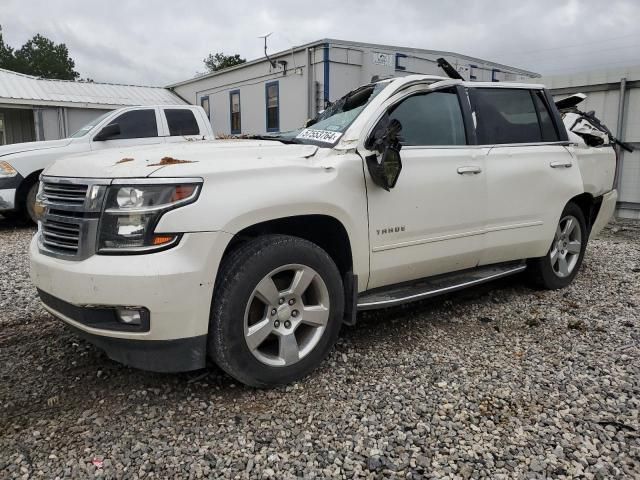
column 253, row 253
column 22, row 163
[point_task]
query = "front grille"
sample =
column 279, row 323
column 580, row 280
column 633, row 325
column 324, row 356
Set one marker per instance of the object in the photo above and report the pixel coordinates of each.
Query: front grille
column 64, row 193
column 68, row 228
column 63, row 237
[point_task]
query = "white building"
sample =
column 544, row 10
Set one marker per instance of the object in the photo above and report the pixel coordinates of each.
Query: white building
column 262, row 96
column 33, row 108
column 614, row 94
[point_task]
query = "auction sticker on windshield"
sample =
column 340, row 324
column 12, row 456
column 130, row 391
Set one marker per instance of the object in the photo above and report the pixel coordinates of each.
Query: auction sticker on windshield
column 325, row 136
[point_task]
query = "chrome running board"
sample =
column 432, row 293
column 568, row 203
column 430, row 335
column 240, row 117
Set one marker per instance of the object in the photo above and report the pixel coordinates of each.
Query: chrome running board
column 433, row 286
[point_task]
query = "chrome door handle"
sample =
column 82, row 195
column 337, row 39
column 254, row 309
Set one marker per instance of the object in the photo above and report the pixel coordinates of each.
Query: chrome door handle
column 560, row 164
column 474, row 170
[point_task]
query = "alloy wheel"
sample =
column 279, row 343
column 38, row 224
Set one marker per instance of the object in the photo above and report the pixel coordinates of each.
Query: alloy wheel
column 566, row 247
column 286, row 315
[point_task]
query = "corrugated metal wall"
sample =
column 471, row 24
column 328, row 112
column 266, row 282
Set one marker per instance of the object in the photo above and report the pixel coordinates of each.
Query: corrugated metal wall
column 18, row 125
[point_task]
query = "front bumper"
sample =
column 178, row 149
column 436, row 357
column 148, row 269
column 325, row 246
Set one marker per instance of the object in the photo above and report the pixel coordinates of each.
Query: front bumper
column 7, row 199
column 175, row 286
column 607, row 207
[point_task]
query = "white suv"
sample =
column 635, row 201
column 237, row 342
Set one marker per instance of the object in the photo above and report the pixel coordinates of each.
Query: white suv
column 253, row 253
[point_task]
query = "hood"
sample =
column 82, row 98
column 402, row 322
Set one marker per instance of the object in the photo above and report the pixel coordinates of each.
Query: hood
column 200, row 158
column 31, row 146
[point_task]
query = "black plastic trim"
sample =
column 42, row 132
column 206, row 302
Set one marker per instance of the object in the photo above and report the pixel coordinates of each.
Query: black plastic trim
column 164, row 356
column 103, row 318
column 556, row 117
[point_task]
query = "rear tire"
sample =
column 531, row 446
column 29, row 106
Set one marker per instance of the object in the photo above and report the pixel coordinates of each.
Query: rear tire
column 276, row 312
column 560, row 265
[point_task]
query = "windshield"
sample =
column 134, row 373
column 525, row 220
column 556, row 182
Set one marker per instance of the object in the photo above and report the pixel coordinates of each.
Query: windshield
column 330, row 124
column 89, row 126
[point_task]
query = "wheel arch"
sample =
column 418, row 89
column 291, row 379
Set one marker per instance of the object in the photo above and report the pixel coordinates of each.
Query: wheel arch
column 589, row 205
column 23, row 189
column 326, row 231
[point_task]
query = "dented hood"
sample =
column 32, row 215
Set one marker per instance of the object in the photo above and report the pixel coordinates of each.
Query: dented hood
column 197, row 158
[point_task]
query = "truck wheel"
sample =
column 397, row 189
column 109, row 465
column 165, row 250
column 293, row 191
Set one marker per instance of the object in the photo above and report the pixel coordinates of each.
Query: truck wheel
column 276, row 312
column 30, row 203
column 559, row 267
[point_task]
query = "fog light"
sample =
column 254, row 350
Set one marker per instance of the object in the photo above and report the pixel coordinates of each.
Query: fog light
column 129, row 316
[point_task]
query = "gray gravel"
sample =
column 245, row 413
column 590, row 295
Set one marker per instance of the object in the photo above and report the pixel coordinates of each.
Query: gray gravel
column 496, row 382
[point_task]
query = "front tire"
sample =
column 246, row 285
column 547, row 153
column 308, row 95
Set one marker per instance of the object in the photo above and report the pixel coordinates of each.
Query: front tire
column 276, row 312
column 560, row 265
column 30, row 203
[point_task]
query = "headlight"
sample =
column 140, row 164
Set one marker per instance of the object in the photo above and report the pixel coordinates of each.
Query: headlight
column 131, row 213
column 6, row 170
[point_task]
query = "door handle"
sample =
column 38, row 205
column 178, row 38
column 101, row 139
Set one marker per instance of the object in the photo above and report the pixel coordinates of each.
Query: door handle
column 473, row 170
column 563, row 164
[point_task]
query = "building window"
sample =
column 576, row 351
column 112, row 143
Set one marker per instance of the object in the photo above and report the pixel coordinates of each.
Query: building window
column 204, row 103
column 2, row 139
column 234, row 108
column 272, row 98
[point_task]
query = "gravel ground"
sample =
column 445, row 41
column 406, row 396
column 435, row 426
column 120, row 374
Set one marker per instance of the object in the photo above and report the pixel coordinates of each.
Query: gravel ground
column 495, row 382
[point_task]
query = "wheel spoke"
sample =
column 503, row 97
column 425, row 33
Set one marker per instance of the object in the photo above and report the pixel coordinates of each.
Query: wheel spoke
column 558, row 232
column 554, row 256
column 573, row 247
column 258, row 333
column 316, row 316
column 563, row 266
column 288, row 350
column 301, row 281
column 569, row 227
column 267, row 291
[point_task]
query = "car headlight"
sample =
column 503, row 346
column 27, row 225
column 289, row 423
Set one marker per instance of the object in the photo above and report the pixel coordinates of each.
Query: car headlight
column 131, row 213
column 6, row 170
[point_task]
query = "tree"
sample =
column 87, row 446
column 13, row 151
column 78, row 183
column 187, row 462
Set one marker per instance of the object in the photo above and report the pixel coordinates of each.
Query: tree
column 40, row 57
column 219, row 61
column 7, row 60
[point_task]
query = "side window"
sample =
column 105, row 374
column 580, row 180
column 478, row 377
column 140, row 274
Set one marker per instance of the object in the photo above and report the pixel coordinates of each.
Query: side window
column 204, row 103
column 272, row 99
column 234, row 108
column 136, row 124
column 549, row 133
column 505, row 115
column 181, row 121
column 433, row 118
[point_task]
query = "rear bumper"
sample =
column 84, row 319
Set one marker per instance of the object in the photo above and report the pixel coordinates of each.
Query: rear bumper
column 607, row 208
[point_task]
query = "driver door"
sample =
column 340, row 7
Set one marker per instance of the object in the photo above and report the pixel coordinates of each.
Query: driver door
column 137, row 127
column 432, row 221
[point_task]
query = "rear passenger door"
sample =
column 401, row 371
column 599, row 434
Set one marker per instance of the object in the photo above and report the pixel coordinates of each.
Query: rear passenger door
column 530, row 174
column 180, row 124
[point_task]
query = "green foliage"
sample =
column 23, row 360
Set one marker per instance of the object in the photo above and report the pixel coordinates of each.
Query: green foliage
column 40, row 57
column 219, row 61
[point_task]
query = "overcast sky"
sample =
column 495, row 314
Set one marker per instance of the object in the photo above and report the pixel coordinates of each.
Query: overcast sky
column 159, row 42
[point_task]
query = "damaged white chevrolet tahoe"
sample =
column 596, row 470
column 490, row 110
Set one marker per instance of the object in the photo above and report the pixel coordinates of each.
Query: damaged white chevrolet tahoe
column 253, row 253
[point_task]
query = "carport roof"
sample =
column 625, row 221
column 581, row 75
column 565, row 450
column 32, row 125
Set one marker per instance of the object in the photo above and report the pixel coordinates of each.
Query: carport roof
column 21, row 89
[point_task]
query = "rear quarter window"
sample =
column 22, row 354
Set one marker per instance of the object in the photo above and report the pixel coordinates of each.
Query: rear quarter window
column 505, row 115
column 181, row 122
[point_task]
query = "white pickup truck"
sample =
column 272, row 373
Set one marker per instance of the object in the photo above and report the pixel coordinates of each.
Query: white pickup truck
column 253, row 253
column 22, row 163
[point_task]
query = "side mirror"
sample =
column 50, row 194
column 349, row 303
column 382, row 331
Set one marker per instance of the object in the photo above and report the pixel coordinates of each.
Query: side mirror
column 107, row 132
column 385, row 167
